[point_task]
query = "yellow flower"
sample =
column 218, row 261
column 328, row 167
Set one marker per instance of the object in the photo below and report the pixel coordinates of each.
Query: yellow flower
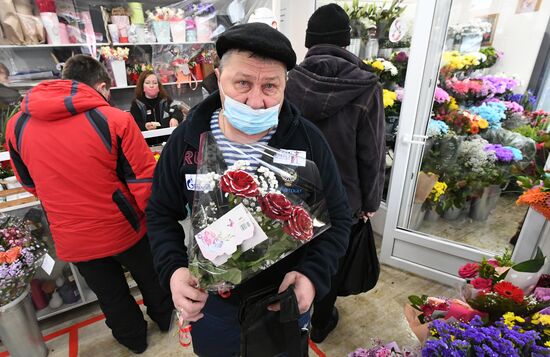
column 544, row 320
column 377, row 65
column 452, row 104
column 389, row 98
column 439, row 189
column 483, row 124
column 509, row 319
column 547, row 344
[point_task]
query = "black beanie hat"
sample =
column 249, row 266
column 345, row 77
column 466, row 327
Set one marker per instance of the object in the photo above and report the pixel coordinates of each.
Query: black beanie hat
column 257, row 38
column 328, row 24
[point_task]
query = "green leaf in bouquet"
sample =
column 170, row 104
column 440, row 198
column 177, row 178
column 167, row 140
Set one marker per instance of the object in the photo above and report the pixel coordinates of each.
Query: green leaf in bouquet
column 417, row 301
column 533, row 265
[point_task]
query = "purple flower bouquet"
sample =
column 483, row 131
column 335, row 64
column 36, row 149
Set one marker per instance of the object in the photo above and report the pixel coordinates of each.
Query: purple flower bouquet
column 476, row 339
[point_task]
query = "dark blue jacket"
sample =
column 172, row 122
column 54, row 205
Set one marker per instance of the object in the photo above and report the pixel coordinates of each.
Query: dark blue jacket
column 318, row 259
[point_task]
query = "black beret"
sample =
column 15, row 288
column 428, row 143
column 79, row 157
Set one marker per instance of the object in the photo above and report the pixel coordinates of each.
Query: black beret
column 258, row 38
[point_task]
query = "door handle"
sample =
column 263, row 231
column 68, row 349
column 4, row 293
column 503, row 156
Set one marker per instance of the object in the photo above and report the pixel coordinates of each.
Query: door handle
column 414, row 139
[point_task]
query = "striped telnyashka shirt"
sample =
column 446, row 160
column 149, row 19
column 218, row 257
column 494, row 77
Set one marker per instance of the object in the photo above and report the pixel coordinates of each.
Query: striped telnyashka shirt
column 234, row 151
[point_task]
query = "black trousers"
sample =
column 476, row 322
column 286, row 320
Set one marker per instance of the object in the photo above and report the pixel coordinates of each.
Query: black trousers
column 106, row 279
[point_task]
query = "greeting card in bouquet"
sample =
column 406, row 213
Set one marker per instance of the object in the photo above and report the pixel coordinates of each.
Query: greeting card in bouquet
column 283, row 203
column 220, row 239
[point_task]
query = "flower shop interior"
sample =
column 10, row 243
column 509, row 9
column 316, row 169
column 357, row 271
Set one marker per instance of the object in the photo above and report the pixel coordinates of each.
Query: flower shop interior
column 463, row 228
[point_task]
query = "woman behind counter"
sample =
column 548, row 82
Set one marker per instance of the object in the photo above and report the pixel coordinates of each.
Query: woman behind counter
column 152, row 108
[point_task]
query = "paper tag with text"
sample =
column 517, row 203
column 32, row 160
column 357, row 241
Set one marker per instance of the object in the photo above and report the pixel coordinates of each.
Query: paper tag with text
column 290, row 157
column 199, row 182
column 222, row 237
column 48, row 264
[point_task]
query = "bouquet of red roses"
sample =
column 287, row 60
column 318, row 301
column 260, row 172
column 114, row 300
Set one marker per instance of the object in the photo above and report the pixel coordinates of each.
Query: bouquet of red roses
column 250, row 215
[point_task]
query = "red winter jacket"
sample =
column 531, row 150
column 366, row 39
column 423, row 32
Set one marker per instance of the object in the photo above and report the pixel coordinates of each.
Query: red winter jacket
column 89, row 165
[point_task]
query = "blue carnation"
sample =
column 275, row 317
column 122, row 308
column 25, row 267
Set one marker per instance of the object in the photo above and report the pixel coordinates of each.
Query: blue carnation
column 436, row 128
column 493, row 112
column 518, row 156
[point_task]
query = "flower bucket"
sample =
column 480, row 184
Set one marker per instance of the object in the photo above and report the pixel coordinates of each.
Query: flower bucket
column 482, row 206
column 431, row 216
column 355, row 46
column 19, row 329
column 119, row 73
column 452, row 213
column 162, row 31
column 417, row 216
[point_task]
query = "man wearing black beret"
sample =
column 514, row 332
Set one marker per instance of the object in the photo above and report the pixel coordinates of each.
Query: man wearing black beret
column 249, row 108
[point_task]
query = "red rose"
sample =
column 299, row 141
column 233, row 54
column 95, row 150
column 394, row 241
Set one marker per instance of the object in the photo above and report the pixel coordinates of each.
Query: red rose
column 276, row 206
column 239, row 183
column 510, row 291
column 468, row 271
column 482, row 283
column 300, row 224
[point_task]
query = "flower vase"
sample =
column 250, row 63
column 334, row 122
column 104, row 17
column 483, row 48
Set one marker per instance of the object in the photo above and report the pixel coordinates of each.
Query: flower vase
column 162, row 31
column 119, row 73
column 525, row 281
column 177, row 28
column 483, row 205
column 19, row 329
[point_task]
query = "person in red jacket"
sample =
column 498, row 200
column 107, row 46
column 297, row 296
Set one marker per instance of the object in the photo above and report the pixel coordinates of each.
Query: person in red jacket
column 89, row 165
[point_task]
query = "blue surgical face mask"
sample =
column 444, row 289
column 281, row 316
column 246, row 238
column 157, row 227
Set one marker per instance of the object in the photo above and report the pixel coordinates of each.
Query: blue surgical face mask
column 249, row 121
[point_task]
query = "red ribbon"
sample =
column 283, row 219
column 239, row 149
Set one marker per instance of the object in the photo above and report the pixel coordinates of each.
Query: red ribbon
column 224, row 293
column 185, row 336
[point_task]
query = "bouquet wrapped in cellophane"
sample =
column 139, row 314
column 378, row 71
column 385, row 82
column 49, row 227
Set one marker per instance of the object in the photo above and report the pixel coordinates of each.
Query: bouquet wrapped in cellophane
column 21, row 254
column 250, row 215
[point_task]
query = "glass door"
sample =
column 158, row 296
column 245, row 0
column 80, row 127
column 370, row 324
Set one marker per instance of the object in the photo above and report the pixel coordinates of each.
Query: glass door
column 468, row 128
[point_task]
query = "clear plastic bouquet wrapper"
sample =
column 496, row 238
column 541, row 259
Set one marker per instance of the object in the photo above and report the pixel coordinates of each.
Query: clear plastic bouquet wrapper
column 20, row 255
column 250, row 215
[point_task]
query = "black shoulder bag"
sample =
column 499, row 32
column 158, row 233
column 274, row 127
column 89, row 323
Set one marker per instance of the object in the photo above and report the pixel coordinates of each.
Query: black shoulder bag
column 360, row 267
column 267, row 333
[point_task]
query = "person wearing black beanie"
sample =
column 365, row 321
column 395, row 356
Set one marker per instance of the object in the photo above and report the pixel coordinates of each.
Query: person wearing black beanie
column 338, row 92
column 329, row 24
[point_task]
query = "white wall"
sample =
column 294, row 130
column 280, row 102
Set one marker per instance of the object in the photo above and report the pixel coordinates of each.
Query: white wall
column 518, row 36
column 293, row 17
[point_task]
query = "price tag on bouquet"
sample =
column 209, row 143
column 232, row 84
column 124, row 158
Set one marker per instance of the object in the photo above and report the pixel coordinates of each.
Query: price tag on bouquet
column 220, row 240
column 290, row 157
